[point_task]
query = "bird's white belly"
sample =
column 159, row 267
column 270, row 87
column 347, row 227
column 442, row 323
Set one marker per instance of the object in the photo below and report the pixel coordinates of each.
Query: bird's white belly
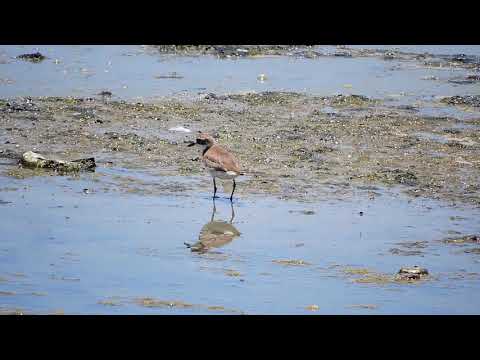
column 224, row 175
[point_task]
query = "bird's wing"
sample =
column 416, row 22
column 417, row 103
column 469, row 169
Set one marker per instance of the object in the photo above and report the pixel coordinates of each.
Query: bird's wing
column 209, row 162
column 221, row 160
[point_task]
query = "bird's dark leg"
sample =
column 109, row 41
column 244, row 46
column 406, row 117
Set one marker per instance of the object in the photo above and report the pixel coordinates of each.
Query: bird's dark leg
column 233, row 212
column 214, row 188
column 233, row 190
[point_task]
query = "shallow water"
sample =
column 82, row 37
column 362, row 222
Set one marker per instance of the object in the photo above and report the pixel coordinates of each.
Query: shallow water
column 64, row 249
column 131, row 73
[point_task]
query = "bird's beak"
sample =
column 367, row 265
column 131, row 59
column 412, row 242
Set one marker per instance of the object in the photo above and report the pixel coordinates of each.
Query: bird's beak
column 191, row 144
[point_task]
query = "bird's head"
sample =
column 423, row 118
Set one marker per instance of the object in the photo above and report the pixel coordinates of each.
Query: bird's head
column 203, row 139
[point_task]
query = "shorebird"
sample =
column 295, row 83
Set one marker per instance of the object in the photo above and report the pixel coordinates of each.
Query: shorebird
column 218, row 160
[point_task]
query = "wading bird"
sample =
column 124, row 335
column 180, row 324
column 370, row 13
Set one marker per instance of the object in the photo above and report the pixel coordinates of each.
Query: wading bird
column 219, row 161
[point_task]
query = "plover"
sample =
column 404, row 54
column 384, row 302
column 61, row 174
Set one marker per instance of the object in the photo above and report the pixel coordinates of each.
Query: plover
column 218, row 160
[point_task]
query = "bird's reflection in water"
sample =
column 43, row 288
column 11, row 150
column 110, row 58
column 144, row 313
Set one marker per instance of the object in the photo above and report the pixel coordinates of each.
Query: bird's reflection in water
column 215, row 233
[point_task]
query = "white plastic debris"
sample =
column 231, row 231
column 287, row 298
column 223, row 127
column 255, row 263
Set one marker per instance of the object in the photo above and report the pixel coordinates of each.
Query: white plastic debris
column 180, row 129
column 262, row 77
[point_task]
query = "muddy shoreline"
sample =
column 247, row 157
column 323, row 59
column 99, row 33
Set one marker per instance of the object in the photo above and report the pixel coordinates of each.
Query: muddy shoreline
column 426, row 59
column 289, row 145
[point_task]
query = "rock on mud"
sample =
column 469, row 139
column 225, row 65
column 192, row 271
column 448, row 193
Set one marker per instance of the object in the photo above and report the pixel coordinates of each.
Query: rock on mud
column 172, row 75
column 227, row 51
column 468, row 239
column 18, row 106
column 469, row 79
column 469, row 100
column 9, row 154
column 396, row 251
column 400, row 176
column 35, row 57
column 472, row 251
column 348, row 100
column 291, row 262
column 411, row 273
column 34, row 160
column 105, row 93
column 151, row 302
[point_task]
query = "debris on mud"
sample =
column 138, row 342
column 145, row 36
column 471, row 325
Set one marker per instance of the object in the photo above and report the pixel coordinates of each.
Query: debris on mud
column 172, row 75
column 63, row 278
column 7, row 293
column 353, row 271
column 34, row 160
column 365, row 276
column 18, row 105
column 9, row 154
column 213, row 96
column 430, row 77
column 468, row 100
column 291, row 262
column 265, row 98
column 151, row 302
column 473, row 251
column 304, row 212
column 396, row 251
column 34, row 57
column 315, row 51
column 7, row 311
column 157, row 303
column 373, row 278
column 364, row 306
column 227, row 51
column 110, row 302
column 397, row 176
column 411, row 273
column 312, row 154
column 348, row 100
column 469, row 79
column 232, row 273
column 467, row 239
column 413, row 244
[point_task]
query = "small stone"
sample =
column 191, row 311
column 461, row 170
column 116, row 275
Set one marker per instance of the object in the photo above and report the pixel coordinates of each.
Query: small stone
column 411, row 273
